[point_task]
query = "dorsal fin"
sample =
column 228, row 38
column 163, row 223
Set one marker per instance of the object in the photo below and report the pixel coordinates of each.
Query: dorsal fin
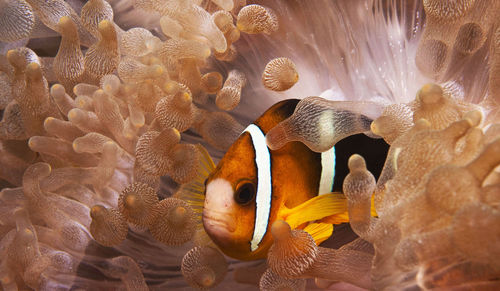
column 276, row 113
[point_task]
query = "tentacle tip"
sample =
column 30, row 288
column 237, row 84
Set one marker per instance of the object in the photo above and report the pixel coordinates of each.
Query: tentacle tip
column 47, row 121
column 109, row 145
column 207, row 279
column 33, row 66
column 280, row 229
column 276, row 137
column 168, row 86
column 187, row 97
column 74, row 145
column 474, row 117
column 356, row 162
column 130, row 200
column 374, row 127
column 74, row 114
column 38, row 171
column 240, row 26
column 26, row 232
column 99, row 92
column 180, row 212
column 207, row 52
column 31, row 142
column 57, row 89
column 158, row 70
column 107, row 88
column 176, row 132
column 11, row 54
column 65, row 20
column 104, row 25
column 430, row 93
column 97, row 210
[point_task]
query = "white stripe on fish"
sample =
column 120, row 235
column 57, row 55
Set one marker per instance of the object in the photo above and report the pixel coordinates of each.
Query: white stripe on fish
column 327, row 171
column 264, row 186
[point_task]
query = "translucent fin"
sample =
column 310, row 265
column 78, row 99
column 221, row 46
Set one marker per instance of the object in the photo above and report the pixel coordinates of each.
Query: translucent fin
column 315, row 208
column 319, row 231
column 194, row 192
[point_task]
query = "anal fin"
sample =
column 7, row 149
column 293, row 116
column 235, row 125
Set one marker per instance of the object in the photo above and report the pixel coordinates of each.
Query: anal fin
column 319, row 231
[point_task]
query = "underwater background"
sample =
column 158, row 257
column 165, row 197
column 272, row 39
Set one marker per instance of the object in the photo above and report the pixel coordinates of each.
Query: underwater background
column 104, row 105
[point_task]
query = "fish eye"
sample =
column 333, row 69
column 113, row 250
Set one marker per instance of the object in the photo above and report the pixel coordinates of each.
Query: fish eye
column 244, row 194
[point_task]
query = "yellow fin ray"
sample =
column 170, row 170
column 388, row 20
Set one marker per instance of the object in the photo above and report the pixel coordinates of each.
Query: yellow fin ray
column 373, row 211
column 344, row 217
column 336, row 218
column 319, row 231
column 314, row 209
column 193, row 192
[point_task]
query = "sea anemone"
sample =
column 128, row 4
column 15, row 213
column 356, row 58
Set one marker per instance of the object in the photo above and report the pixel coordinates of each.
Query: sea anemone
column 110, row 110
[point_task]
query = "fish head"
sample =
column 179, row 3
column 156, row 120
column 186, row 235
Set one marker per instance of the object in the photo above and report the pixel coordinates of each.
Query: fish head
column 241, row 199
column 230, row 201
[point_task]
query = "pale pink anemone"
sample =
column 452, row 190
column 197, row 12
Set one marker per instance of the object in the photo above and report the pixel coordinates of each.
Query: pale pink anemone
column 343, row 51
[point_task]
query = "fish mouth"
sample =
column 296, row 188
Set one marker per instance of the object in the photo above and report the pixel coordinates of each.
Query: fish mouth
column 213, row 220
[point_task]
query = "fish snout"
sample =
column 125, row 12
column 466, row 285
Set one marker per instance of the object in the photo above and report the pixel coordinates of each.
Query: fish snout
column 219, row 196
column 219, row 210
column 215, row 219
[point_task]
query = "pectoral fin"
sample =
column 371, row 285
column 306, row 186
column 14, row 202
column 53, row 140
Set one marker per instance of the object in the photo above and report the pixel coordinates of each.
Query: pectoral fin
column 319, row 231
column 314, row 209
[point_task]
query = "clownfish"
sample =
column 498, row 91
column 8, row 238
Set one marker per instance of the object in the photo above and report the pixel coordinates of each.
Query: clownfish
column 253, row 186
